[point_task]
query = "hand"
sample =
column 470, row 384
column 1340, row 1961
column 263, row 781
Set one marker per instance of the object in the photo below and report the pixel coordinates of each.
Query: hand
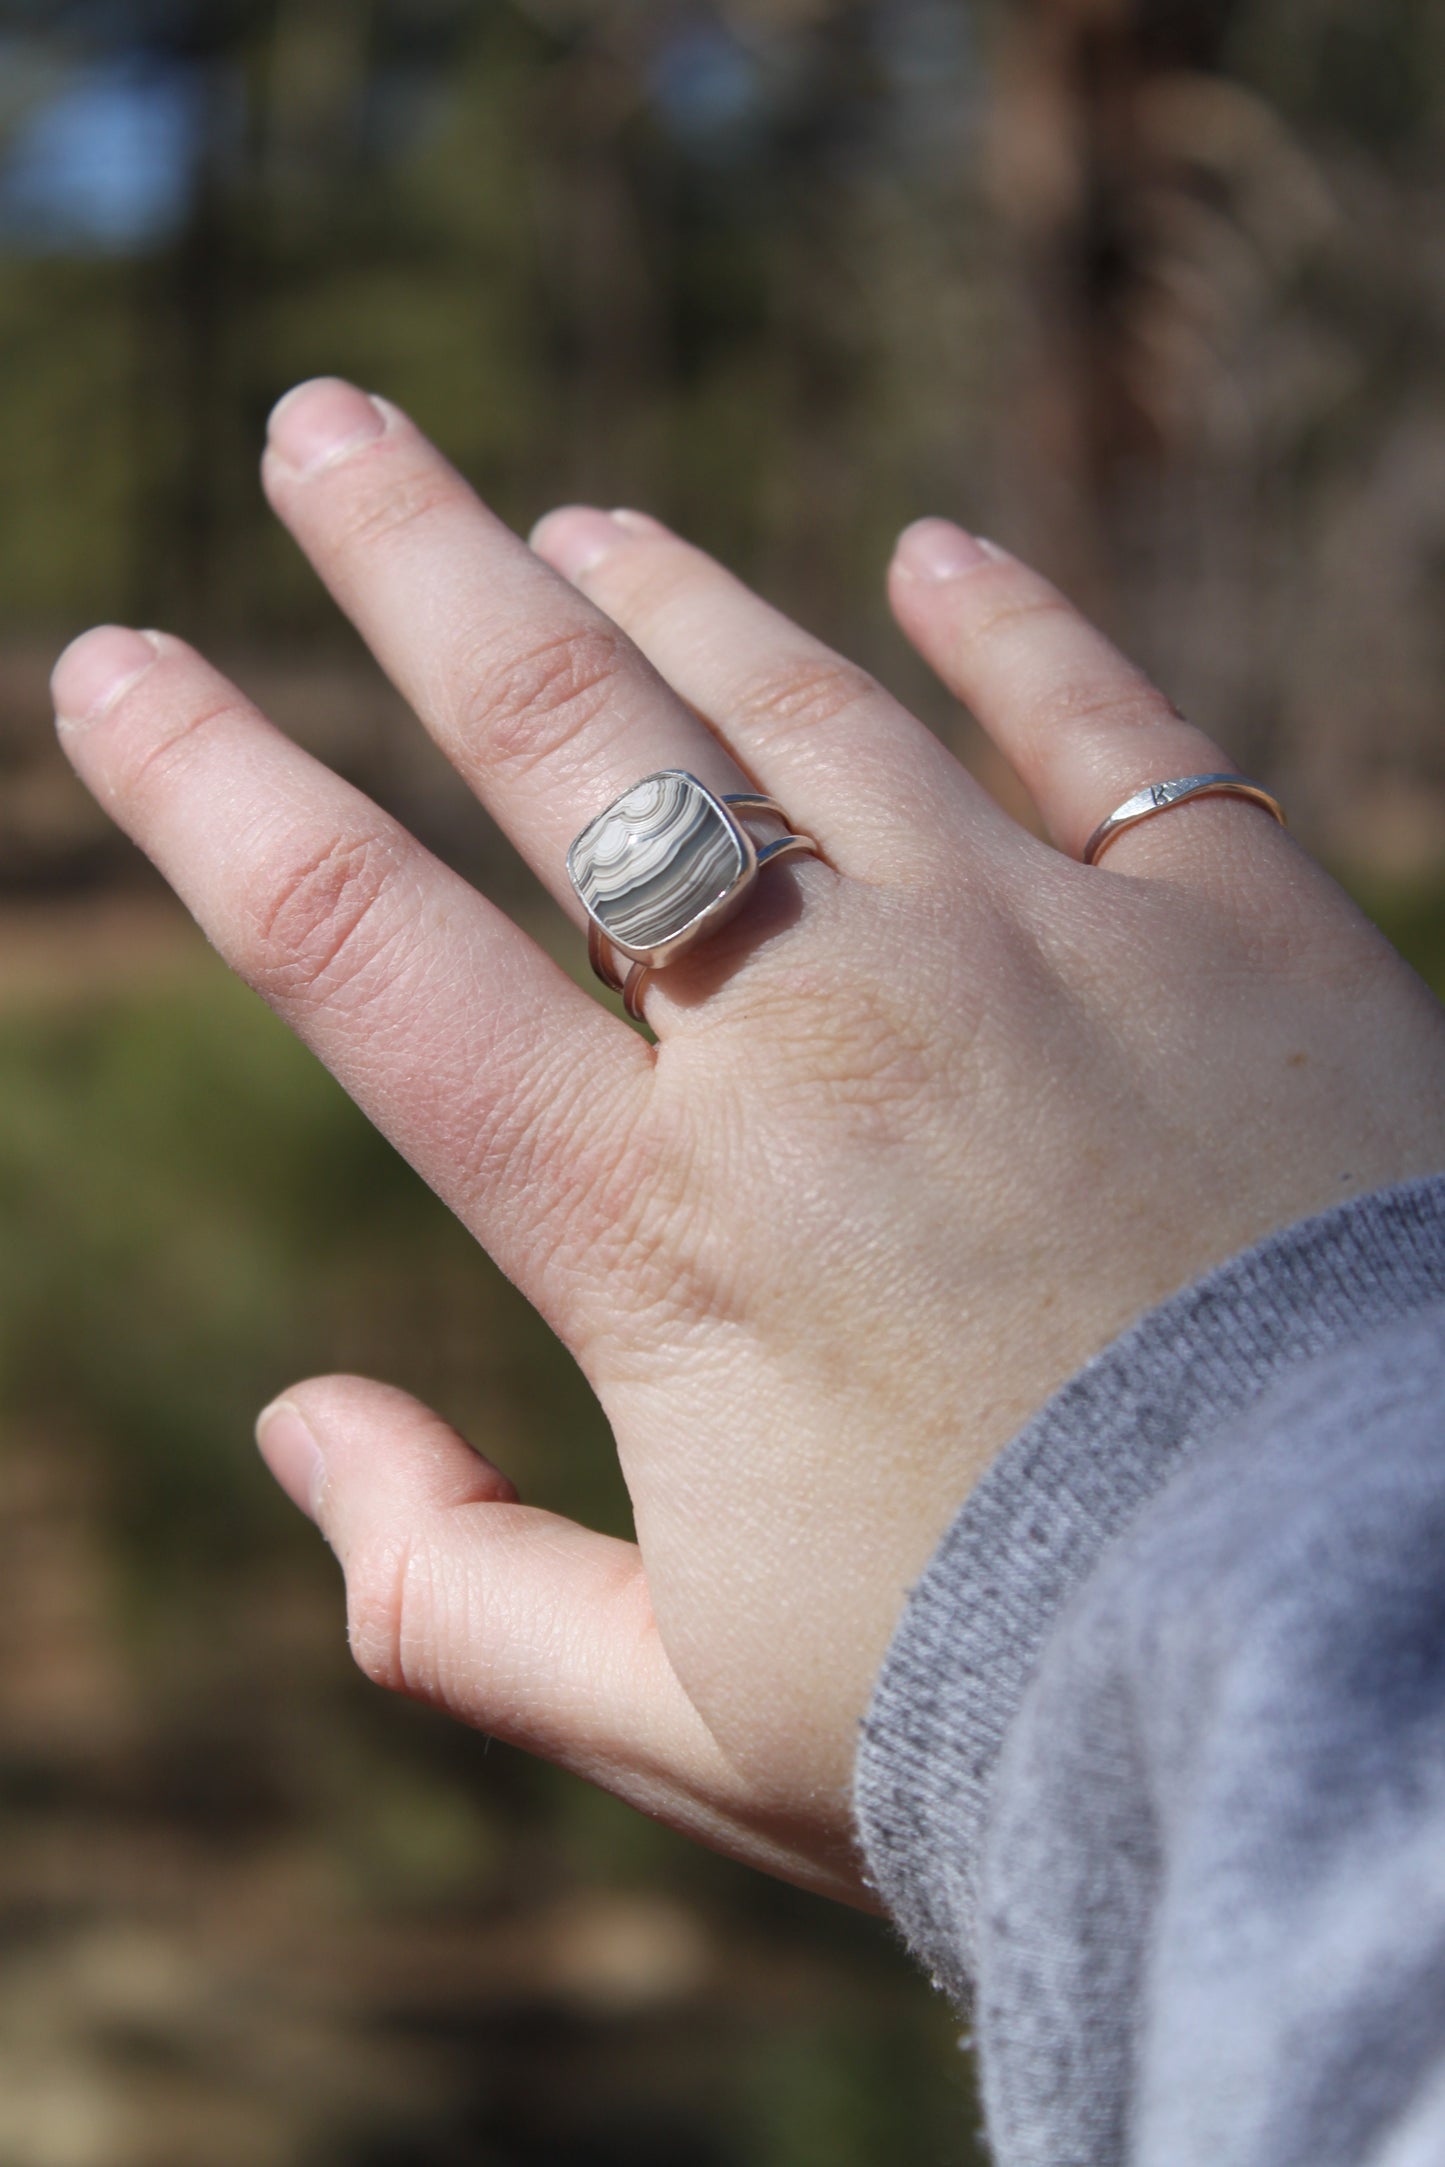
column 924, row 1126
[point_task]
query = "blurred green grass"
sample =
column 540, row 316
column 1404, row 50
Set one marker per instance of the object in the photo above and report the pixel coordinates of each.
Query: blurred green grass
column 192, row 1214
column 196, row 1215
column 788, row 341
column 1412, row 916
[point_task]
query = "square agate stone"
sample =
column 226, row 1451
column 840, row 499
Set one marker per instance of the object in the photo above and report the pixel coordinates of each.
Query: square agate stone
column 663, row 855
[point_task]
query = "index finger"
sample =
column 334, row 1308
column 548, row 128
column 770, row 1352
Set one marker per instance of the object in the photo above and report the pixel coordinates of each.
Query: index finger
column 505, row 1085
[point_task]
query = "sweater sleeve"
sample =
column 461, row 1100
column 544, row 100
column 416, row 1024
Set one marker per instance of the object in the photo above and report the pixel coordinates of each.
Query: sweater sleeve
column 1155, row 1770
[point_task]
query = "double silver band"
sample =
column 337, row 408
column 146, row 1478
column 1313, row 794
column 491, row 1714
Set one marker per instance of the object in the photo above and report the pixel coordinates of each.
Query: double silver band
column 631, row 983
column 663, row 866
column 1161, row 797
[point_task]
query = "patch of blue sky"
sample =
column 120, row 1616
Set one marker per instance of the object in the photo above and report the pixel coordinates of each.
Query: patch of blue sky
column 104, row 164
column 708, row 86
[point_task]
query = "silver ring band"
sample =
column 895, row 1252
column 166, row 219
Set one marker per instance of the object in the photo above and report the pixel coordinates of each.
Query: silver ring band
column 663, row 866
column 1161, row 797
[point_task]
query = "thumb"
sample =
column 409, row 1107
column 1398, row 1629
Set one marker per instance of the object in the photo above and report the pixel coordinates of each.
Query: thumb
column 518, row 1621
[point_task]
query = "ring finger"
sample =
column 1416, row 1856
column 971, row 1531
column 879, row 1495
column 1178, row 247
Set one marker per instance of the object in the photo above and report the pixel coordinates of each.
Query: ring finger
column 800, row 714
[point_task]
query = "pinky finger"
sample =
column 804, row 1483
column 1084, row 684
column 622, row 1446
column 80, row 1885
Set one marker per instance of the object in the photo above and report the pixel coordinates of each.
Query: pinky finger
column 1080, row 724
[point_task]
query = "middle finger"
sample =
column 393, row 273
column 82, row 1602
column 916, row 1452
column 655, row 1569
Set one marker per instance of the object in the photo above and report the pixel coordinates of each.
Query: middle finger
column 801, row 715
column 544, row 705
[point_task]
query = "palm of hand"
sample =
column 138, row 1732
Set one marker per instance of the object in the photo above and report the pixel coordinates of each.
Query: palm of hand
column 924, row 1126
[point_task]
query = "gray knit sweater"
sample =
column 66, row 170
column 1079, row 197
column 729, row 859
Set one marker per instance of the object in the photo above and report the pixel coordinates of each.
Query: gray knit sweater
column 1154, row 1775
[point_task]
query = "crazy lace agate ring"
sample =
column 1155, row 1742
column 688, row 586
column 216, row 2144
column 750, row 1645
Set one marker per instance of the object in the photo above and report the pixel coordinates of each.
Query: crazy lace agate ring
column 665, row 865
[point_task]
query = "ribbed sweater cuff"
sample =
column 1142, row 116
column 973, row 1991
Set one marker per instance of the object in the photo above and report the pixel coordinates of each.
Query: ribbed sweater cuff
column 1039, row 1521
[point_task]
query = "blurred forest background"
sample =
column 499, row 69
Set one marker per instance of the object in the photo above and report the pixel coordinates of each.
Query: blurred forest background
column 1154, row 290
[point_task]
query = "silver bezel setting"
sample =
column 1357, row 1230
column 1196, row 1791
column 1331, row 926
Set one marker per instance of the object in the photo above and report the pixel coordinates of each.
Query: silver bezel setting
column 703, row 921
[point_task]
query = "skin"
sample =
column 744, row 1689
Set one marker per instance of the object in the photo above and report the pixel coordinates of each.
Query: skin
column 924, row 1127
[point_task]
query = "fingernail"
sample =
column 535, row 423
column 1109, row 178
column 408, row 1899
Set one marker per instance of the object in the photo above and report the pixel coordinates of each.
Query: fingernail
column 319, row 423
column 638, row 522
column 936, row 549
column 289, row 1448
column 574, row 541
column 95, row 670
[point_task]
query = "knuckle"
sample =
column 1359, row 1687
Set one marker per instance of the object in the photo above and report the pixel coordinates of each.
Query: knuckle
column 1116, row 703
column 871, row 1061
column 804, row 695
column 534, row 702
column 1000, row 617
column 384, row 508
column 323, row 921
column 148, row 762
column 646, row 584
column 381, row 1583
column 574, row 1154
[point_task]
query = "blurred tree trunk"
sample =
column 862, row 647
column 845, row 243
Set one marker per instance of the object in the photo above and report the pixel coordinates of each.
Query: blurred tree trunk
column 279, row 97
column 1077, row 173
column 206, row 276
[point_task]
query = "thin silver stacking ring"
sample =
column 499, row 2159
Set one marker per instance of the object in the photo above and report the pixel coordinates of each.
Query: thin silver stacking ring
column 663, row 867
column 1161, row 797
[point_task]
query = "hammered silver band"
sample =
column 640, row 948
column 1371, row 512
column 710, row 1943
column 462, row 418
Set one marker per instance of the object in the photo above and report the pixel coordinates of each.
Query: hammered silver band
column 1161, row 797
column 663, row 866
